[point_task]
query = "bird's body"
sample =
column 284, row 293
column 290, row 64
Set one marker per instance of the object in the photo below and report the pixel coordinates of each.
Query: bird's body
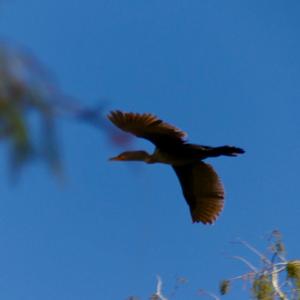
column 169, row 158
column 200, row 184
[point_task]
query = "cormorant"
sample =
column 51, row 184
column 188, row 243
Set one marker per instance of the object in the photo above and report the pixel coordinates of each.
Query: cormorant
column 200, row 183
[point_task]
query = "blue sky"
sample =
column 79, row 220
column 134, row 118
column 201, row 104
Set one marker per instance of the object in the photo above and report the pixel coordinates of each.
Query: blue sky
column 227, row 72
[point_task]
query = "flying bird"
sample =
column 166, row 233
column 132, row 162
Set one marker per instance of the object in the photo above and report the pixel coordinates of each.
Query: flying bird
column 201, row 186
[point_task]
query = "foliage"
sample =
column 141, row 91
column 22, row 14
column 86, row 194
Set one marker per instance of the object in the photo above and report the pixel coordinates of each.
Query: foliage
column 275, row 278
column 29, row 95
column 24, row 89
column 224, row 287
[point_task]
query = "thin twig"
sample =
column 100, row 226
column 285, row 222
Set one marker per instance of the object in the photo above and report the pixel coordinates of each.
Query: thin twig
column 255, row 251
column 243, row 276
column 213, row 296
column 246, row 262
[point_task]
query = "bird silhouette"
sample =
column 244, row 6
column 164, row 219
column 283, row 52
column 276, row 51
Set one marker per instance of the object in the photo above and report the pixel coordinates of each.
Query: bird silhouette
column 201, row 186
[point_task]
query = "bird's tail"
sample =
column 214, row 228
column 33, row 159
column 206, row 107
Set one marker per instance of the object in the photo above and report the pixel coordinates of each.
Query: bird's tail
column 225, row 150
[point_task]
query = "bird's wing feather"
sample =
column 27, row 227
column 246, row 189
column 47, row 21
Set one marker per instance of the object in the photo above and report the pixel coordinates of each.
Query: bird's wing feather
column 202, row 190
column 147, row 126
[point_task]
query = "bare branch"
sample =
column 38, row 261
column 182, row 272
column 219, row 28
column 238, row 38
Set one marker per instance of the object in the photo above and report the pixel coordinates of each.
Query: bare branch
column 275, row 283
column 246, row 262
column 158, row 294
column 206, row 293
column 245, row 276
column 255, row 251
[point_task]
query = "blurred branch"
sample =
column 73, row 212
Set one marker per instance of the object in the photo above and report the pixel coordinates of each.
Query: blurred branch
column 26, row 89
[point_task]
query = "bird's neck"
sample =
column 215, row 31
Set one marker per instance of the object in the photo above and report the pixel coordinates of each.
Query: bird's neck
column 140, row 156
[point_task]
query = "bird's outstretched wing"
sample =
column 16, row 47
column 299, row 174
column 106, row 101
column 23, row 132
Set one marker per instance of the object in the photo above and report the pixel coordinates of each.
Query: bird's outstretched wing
column 148, row 126
column 202, row 190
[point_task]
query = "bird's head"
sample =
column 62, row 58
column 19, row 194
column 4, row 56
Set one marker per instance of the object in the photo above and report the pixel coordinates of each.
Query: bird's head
column 131, row 156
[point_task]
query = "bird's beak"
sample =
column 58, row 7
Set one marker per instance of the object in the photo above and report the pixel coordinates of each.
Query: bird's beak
column 116, row 158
